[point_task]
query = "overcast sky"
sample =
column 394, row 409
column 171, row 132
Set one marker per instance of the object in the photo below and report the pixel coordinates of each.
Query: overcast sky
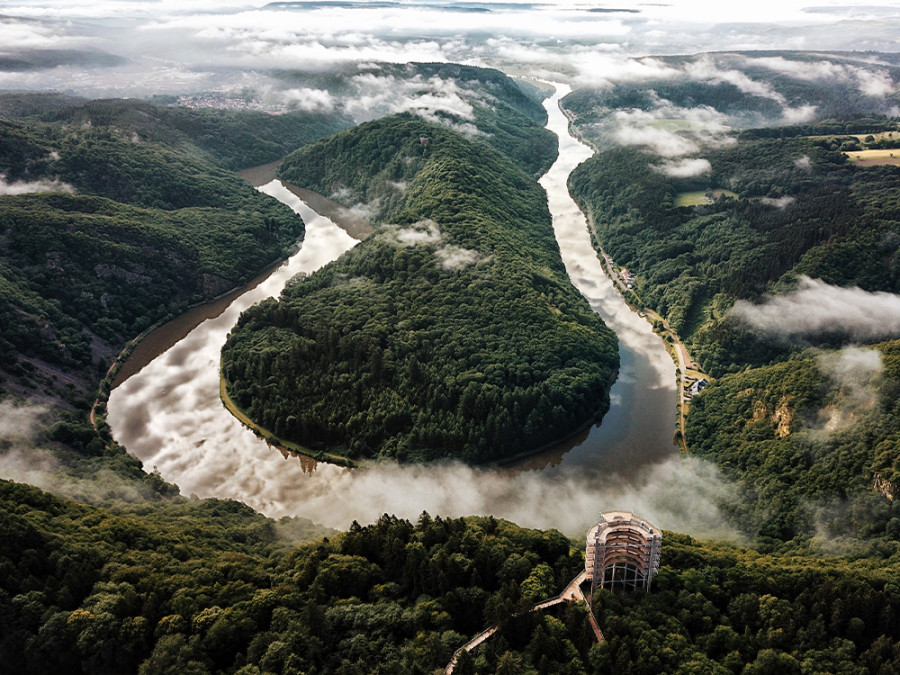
column 173, row 46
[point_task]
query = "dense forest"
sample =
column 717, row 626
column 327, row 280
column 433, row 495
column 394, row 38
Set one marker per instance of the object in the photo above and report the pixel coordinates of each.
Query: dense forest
column 800, row 209
column 806, row 444
column 506, row 114
column 212, row 587
column 452, row 332
column 116, row 217
column 802, row 439
column 230, row 139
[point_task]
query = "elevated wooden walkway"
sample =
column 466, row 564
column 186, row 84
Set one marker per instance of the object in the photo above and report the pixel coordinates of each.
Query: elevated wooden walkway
column 571, row 593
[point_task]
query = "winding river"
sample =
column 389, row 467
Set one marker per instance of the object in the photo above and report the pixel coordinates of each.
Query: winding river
column 170, row 416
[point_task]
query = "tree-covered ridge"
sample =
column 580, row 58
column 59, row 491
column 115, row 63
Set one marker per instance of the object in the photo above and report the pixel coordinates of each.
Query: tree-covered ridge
column 801, row 208
column 506, row 116
column 494, row 85
column 807, row 443
column 794, row 207
column 231, row 139
column 721, row 609
column 482, row 103
column 212, row 587
column 113, row 232
column 452, row 332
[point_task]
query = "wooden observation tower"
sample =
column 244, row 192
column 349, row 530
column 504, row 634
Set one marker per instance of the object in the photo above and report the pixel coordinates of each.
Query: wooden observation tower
column 622, row 552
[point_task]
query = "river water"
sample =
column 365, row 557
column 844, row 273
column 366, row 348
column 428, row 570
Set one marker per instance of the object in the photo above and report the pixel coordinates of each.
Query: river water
column 169, row 415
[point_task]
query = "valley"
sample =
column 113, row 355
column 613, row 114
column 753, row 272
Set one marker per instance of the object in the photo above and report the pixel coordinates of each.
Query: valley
column 462, row 348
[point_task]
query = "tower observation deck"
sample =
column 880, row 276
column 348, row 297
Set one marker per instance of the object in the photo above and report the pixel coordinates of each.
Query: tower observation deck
column 622, row 552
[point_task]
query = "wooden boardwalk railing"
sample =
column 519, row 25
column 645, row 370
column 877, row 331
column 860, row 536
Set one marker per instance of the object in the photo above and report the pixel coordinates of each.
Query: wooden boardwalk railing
column 571, row 593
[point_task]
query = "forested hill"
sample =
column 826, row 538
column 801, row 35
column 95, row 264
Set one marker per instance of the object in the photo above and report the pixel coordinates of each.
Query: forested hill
column 112, row 218
column 212, row 587
column 232, row 139
column 451, row 332
column 482, row 103
column 503, row 114
column 807, row 437
column 776, row 208
column 804, row 422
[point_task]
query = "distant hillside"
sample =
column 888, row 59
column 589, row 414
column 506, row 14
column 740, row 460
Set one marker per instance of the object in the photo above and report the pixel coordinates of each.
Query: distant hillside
column 741, row 90
column 452, row 332
column 806, row 437
column 774, row 209
column 798, row 207
column 482, row 103
column 112, row 218
column 232, row 139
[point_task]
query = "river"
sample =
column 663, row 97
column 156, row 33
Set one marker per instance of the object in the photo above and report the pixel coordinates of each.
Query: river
column 169, row 415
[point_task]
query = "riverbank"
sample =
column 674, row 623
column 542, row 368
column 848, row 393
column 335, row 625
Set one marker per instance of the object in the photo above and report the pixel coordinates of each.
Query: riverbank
column 273, row 440
column 162, row 336
column 348, row 220
column 672, row 341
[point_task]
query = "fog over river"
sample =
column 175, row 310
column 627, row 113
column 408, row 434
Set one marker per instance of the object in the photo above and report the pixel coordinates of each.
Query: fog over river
column 170, row 416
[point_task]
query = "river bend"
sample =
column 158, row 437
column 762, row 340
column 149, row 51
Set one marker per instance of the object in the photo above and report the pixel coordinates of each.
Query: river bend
column 169, row 415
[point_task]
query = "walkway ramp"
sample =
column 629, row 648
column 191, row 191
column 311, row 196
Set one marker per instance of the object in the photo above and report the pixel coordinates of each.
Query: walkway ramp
column 571, row 593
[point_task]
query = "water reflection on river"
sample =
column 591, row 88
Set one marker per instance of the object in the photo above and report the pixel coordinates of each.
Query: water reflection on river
column 169, row 415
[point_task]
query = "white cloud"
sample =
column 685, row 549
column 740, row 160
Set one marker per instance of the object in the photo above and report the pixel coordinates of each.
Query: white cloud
column 705, row 69
column 853, row 374
column 377, row 95
column 454, row 257
column 817, row 308
column 313, row 100
column 668, row 130
column 600, row 69
column 877, row 83
column 801, row 70
column 26, row 187
column 798, row 115
column 871, row 82
column 779, row 203
column 684, row 168
column 16, row 34
column 660, row 141
column 422, row 232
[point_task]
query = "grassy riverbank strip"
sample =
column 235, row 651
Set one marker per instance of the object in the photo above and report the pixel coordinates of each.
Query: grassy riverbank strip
column 272, row 439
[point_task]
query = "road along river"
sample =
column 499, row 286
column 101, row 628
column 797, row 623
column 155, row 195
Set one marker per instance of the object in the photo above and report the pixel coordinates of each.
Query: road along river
column 170, row 416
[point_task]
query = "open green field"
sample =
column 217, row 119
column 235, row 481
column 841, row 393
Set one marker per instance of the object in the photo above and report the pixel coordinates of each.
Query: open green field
column 870, row 157
column 699, row 197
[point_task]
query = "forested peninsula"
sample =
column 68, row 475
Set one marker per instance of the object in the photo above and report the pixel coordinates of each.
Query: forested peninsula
column 452, row 332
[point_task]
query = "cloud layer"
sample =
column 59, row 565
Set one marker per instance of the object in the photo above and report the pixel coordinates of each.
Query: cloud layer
column 817, row 308
column 26, row 187
column 854, row 374
column 176, row 49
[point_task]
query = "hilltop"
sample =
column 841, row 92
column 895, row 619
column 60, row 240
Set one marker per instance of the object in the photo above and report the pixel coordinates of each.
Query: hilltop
column 453, row 332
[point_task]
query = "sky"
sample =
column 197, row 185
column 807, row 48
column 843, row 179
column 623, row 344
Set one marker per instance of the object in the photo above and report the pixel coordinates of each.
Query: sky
column 135, row 48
